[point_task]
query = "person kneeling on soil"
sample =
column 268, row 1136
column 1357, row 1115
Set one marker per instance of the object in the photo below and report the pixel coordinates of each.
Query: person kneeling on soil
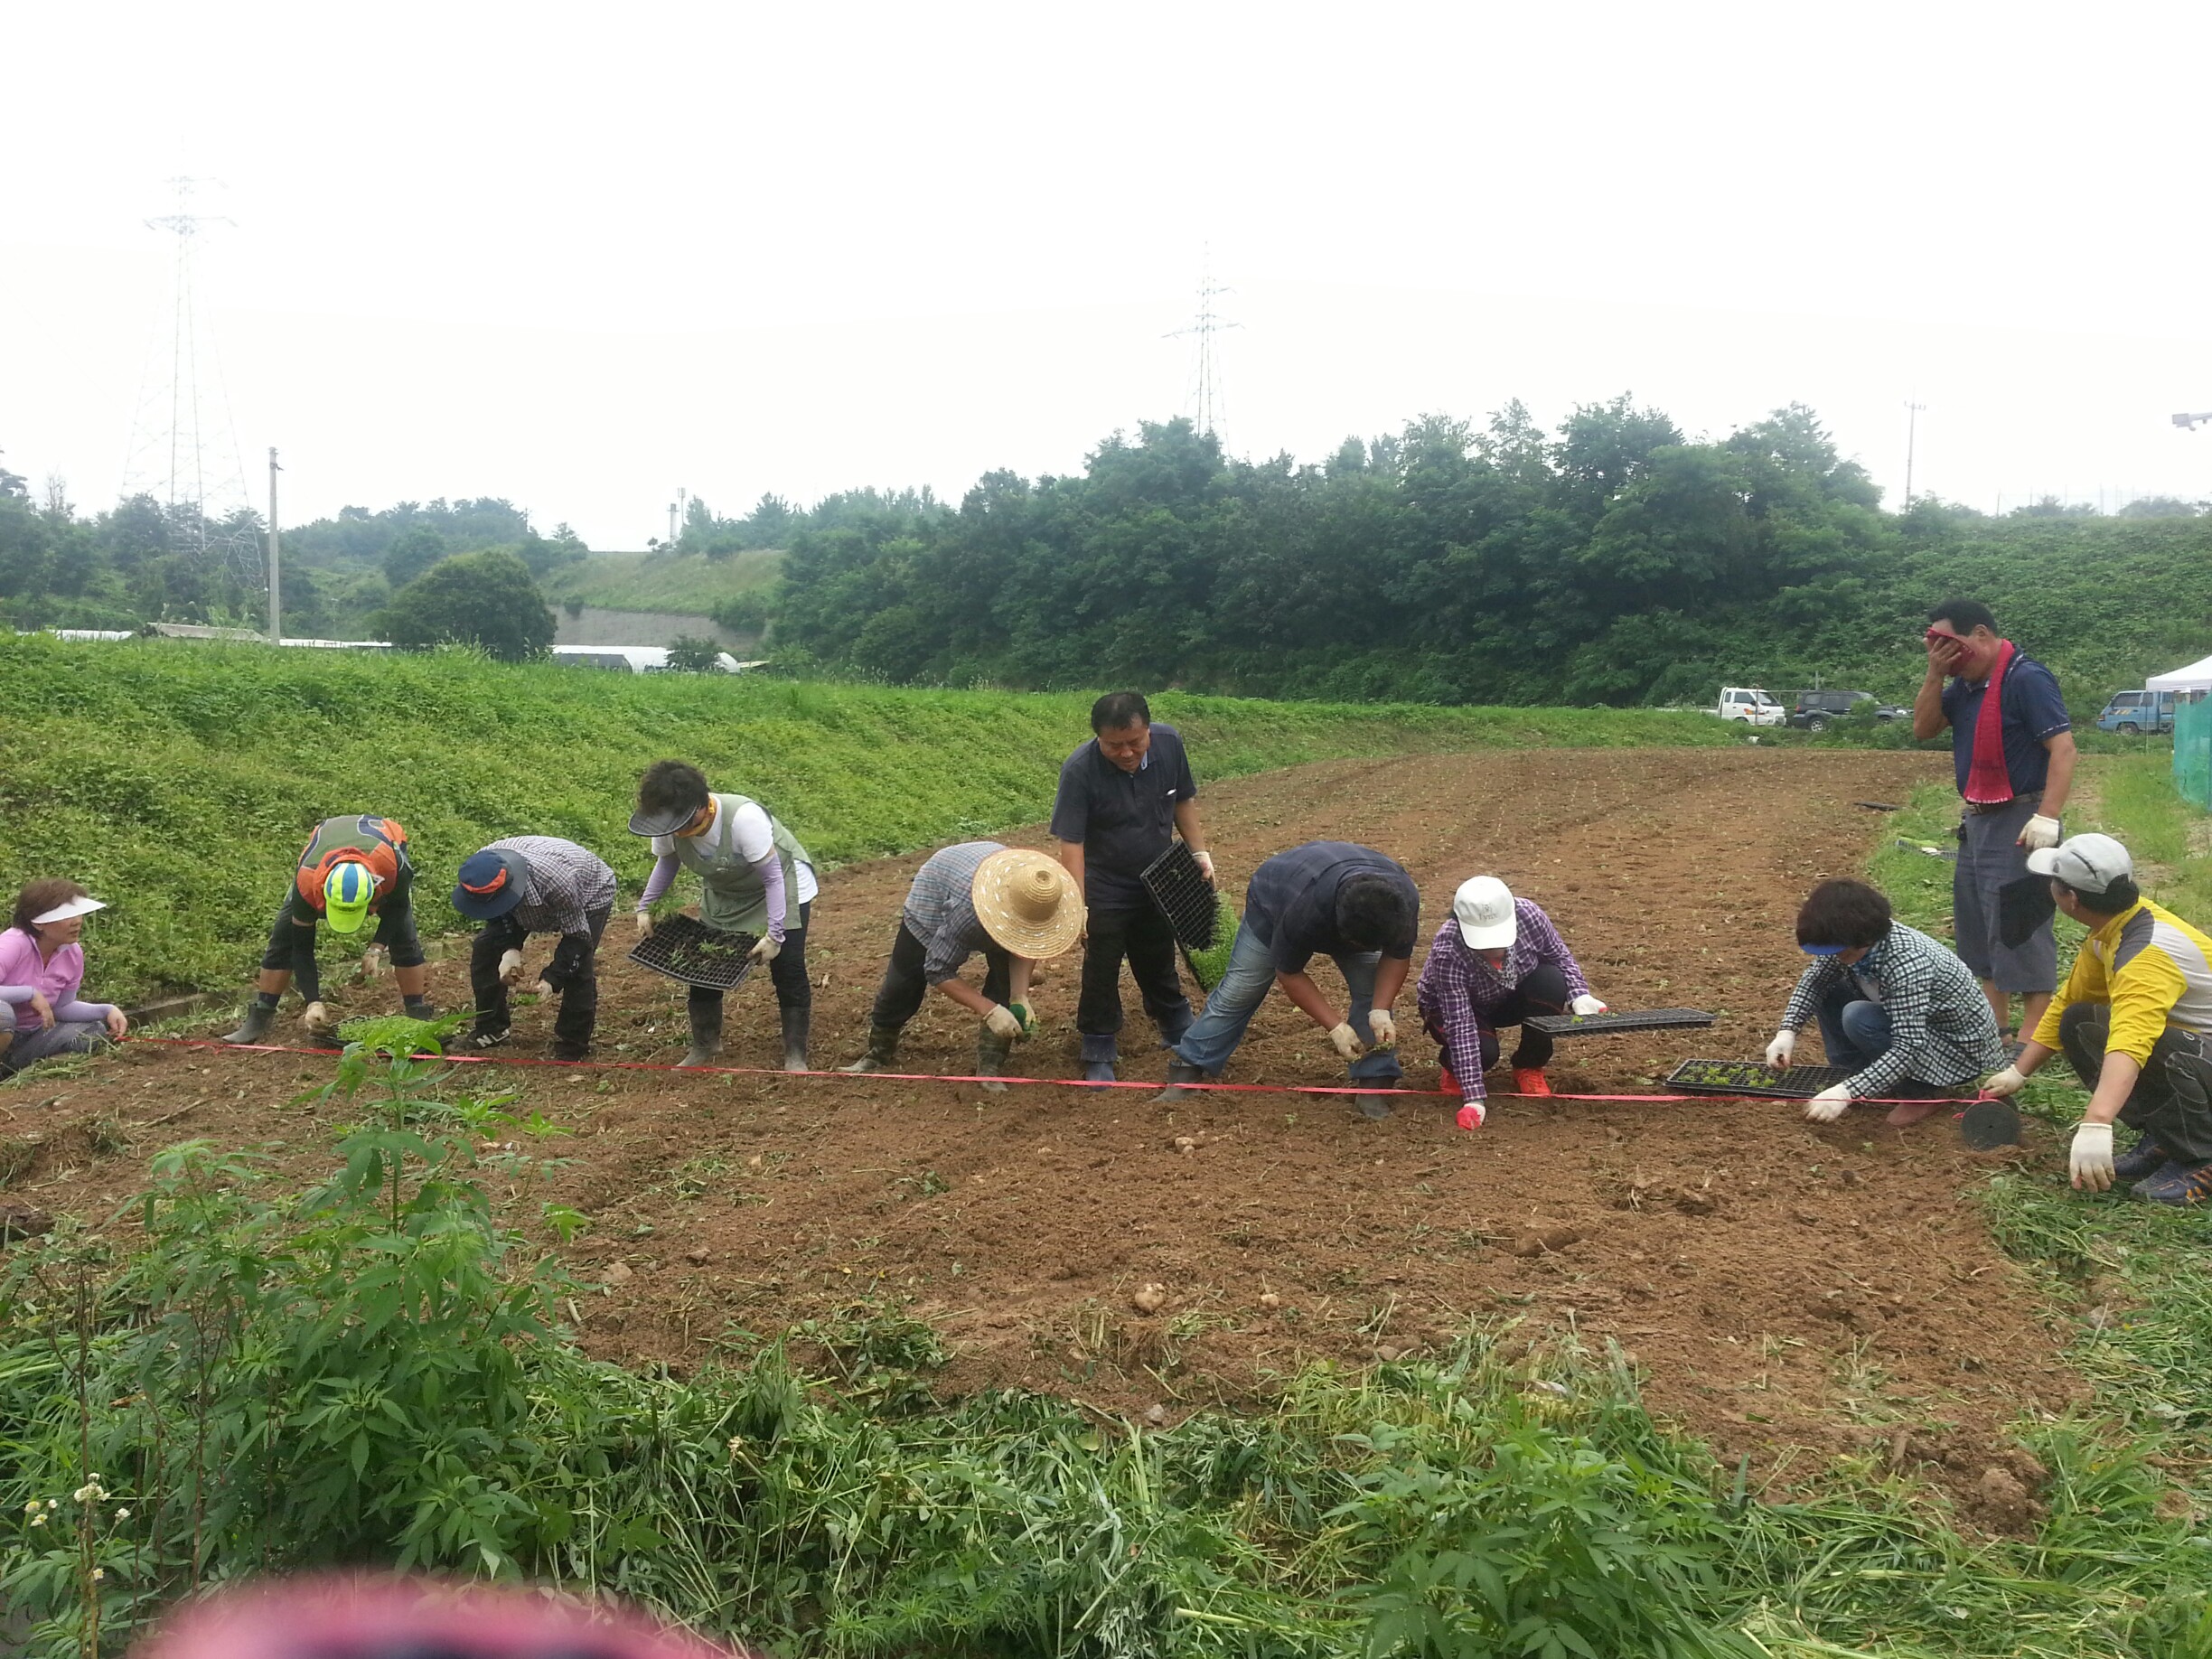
column 536, row 883
column 1326, row 898
column 753, row 874
column 351, row 868
column 1496, row 960
column 1017, row 908
column 42, row 969
column 1898, row 1009
column 2134, row 1020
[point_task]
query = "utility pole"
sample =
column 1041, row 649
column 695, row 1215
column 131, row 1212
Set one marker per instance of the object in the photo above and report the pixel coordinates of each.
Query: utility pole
column 275, row 591
column 671, row 540
column 1912, row 423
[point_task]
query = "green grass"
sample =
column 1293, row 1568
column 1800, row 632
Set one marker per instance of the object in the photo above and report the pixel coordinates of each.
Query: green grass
column 179, row 781
column 689, row 582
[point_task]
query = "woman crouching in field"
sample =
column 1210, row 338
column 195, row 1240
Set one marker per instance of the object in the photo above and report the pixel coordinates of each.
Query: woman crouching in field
column 41, row 966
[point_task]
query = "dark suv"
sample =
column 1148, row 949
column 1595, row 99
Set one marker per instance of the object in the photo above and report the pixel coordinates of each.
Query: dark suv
column 1814, row 710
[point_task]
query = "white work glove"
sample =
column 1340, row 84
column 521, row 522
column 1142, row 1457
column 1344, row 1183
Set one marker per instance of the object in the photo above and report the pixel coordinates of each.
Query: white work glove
column 1779, row 1051
column 644, row 925
column 1344, row 1040
column 374, row 960
column 1205, row 864
column 2038, row 833
column 2091, row 1161
column 2007, row 1081
column 1003, row 1023
column 510, row 967
column 542, row 988
column 1584, row 1006
column 1383, row 1028
column 1828, row 1105
column 766, row 949
column 318, row 1020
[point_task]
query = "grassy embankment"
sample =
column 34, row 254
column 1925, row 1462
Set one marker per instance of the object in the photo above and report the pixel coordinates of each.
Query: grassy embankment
column 178, row 781
column 688, row 582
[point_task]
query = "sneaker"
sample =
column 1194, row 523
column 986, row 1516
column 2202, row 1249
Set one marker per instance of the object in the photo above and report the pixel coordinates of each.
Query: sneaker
column 2180, row 1185
column 568, row 1053
column 1529, row 1080
column 489, row 1039
column 2143, row 1160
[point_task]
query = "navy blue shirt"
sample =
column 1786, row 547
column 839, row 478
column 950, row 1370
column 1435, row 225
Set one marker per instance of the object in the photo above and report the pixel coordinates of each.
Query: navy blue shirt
column 2033, row 711
column 1291, row 905
column 1123, row 821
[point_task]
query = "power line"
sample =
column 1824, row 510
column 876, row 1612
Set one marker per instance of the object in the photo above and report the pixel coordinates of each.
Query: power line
column 1206, row 400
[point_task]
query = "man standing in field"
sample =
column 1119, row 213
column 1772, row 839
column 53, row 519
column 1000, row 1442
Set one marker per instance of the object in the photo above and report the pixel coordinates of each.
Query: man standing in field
column 2013, row 754
column 1123, row 797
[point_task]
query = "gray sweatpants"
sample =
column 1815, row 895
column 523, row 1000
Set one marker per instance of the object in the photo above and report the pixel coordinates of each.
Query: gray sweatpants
column 62, row 1038
column 1988, row 857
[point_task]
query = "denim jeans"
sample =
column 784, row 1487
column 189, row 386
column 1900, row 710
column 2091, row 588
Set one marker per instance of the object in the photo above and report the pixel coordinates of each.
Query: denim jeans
column 1214, row 1034
column 1853, row 1030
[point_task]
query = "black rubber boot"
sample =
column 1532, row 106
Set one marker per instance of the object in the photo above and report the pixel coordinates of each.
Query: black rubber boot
column 706, row 1034
column 418, row 1007
column 259, row 1015
column 1099, row 1070
column 882, row 1051
column 1178, row 1074
column 991, row 1054
column 795, row 1023
column 1374, row 1106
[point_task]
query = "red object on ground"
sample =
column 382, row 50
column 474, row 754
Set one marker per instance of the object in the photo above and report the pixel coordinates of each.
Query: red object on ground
column 1447, row 1083
column 1472, row 1115
column 1528, row 1079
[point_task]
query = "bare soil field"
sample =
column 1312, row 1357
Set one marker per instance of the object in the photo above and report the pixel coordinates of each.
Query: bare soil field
column 1788, row 1291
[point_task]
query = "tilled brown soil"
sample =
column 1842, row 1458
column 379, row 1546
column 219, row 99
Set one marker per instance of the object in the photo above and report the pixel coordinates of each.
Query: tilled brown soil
column 1789, row 1291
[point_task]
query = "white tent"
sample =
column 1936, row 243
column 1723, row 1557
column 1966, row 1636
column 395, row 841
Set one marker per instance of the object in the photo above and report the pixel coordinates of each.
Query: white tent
column 2197, row 676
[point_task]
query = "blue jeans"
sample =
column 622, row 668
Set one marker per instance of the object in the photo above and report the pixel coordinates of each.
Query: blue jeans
column 1214, row 1034
column 1854, row 1031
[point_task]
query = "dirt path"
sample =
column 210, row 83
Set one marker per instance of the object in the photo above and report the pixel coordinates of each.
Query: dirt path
column 1791, row 1291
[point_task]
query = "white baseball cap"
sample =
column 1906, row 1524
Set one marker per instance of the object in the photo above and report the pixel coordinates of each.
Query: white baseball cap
column 1484, row 908
column 2090, row 862
column 83, row 907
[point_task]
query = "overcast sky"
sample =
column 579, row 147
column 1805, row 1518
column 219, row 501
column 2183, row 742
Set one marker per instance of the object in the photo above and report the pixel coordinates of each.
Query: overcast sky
column 580, row 257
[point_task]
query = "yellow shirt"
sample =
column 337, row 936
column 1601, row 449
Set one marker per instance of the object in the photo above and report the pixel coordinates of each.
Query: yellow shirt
column 2153, row 969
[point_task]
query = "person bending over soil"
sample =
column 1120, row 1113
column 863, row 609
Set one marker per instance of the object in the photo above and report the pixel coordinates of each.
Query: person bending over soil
column 537, row 883
column 1904, row 1013
column 1496, row 960
column 1017, row 908
column 754, row 877
column 42, row 973
column 2136, row 1022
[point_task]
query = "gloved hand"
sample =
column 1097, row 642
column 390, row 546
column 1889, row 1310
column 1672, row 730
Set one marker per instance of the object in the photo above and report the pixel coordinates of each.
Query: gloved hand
column 2091, row 1159
column 1828, row 1105
column 510, row 967
column 1779, row 1051
column 644, row 925
column 542, row 988
column 1344, row 1040
column 1003, row 1024
column 1471, row 1115
column 2004, row 1082
column 1584, row 1006
column 1382, row 1026
column 318, row 1020
column 1021, row 1011
column 2039, row 833
column 1205, row 864
column 374, row 960
column 766, row 949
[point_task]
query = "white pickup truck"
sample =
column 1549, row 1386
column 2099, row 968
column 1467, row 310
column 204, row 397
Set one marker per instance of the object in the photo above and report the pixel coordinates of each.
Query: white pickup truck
column 1750, row 705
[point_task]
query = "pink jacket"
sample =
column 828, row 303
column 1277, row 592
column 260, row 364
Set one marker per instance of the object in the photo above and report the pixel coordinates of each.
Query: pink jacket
column 24, row 973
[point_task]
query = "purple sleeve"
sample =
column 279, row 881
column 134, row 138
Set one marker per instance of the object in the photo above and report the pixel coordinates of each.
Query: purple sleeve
column 662, row 879
column 1445, row 996
column 771, row 872
column 83, row 1012
column 18, row 993
column 1552, row 947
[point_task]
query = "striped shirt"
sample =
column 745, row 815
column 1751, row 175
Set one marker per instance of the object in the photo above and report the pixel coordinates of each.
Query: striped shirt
column 567, row 884
column 2152, row 968
column 941, row 908
column 1459, row 991
column 1941, row 1029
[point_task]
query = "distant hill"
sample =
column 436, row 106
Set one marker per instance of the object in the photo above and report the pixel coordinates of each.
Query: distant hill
column 688, row 582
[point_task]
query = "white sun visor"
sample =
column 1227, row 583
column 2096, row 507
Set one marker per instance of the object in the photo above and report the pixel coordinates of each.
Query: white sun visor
column 76, row 907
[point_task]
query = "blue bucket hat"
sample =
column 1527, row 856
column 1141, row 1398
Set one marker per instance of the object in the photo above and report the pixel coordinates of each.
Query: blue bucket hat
column 491, row 884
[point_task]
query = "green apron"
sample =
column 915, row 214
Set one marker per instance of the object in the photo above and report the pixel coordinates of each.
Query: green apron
column 733, row 898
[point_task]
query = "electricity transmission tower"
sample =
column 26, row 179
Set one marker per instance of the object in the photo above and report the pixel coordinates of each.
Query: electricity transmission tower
column 1206, row 399
column 184, row 448
column 1913, row 411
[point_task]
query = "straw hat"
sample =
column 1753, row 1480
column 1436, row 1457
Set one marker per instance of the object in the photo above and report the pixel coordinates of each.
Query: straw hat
column 1028, row 903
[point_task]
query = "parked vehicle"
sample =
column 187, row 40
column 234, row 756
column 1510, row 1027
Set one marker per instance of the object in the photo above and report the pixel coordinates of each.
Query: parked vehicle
column 1812, row 711
column 635, row 658
column 2131, row 712
column 1750, row 705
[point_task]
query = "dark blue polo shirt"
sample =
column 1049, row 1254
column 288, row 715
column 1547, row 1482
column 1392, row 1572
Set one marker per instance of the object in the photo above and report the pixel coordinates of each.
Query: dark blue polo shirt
column 1122, row 819
column 1292, row 904
column 2033, row 711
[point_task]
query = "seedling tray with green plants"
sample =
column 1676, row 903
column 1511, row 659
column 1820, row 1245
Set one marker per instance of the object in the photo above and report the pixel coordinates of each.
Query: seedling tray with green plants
column 1749, row 1078
column 686, row 948
column 1600, row 1024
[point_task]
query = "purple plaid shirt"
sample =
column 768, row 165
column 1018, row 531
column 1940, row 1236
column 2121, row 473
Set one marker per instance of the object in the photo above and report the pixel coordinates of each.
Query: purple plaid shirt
column 1459, row 989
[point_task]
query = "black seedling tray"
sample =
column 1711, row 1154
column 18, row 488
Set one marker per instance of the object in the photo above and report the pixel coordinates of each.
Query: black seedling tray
column 1599, row 1025
column 1742, row 1077
column 686, row 948
column 1179, row 887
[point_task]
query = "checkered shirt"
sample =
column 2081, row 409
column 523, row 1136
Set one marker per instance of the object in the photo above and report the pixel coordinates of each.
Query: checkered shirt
column 941, row 908
column 1941, row 1031
column 567, row 884
column 1459, row 991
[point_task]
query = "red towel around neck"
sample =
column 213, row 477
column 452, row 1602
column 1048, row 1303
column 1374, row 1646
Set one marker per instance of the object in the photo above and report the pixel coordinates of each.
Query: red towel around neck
column 1988, row 780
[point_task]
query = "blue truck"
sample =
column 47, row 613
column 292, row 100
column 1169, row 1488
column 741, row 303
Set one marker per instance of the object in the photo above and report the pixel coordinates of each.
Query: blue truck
column 2131, row 712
